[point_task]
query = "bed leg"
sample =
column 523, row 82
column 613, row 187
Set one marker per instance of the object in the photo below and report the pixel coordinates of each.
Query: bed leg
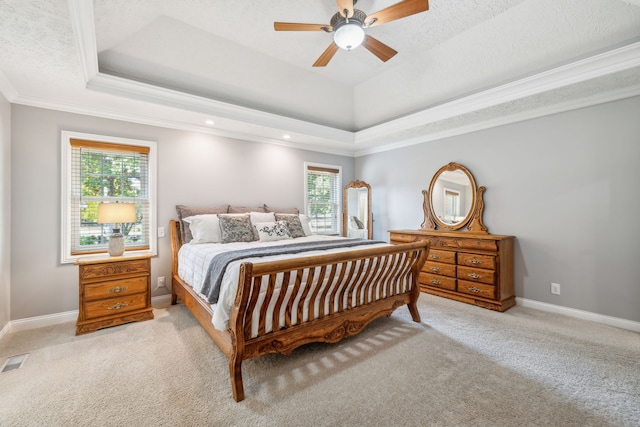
column 174, row 299
column 235, row 372
column 413, row 309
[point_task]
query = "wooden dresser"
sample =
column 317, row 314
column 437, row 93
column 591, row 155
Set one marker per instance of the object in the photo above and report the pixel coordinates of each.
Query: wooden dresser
column 468, row 267
column 113, row 291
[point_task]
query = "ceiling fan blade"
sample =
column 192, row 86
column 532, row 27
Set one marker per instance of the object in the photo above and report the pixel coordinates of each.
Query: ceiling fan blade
column 326, row 55
column 378, row 48
column 397, row 11
column 292, row 26
column 345, row 5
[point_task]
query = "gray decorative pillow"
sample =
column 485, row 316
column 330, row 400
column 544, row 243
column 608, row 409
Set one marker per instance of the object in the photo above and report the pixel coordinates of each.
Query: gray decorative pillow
column 293, row 223
column 236, row 228
column 187, row 211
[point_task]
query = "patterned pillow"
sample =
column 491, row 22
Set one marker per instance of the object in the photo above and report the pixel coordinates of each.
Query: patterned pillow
column 271, row 231
column 236, row 228
column 293, row 222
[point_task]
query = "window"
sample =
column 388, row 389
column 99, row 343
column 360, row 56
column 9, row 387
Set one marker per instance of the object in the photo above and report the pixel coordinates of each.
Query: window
column 323, row 185
column 98, row 169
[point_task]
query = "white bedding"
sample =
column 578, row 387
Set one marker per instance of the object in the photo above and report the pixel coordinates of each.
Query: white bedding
column 194, row 260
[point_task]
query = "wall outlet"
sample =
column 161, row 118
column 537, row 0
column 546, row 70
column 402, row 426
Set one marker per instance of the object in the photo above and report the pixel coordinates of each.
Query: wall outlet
column 161, row 232
column 161, row 282
column 555, row 288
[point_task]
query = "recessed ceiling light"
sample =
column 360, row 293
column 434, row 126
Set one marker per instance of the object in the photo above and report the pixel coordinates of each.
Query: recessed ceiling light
column 209, row 122
column 286, row 136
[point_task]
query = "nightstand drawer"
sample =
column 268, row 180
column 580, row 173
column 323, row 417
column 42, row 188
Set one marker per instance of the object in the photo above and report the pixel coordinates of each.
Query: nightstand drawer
column 111, row 269
column 115, row 306
column 114, row 288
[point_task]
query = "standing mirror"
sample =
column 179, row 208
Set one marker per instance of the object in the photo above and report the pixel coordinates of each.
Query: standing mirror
column 453, row 201
column 357, row 219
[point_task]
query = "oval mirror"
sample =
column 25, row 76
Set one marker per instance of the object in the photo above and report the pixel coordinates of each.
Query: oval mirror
column 357, row 219
column 452, row 196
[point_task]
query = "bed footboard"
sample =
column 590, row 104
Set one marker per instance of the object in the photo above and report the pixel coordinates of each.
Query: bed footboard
column 281, row 305
column 327, row 298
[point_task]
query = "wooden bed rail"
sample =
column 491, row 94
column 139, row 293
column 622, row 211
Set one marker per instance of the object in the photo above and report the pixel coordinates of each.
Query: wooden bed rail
column 281, row 305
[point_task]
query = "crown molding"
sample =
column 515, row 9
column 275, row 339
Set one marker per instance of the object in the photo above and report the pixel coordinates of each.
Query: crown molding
column 505, row 120
column 82, row 22
column 150, row 93
column 7, row 89
column 599, row 65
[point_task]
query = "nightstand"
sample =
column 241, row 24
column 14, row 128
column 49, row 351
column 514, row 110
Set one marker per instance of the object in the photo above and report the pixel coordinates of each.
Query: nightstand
column 113, row 291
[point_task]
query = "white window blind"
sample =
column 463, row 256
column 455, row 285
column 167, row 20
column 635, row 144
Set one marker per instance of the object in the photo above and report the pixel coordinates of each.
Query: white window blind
column 323, row 195
column 99, row 169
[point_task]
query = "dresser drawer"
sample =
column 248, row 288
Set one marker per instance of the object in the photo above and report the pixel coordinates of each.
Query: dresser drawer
column 111, row 269
column 134, row 285
column 478, row 289
column 438, row 281
column 477, row 275
column 447, row 257
column 485, row 245
column 439, row 268
column 475, row 260
column 115, row 306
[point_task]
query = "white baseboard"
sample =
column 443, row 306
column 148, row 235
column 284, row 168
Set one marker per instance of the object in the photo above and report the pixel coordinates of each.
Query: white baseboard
column 581, row 314
column 67, row 316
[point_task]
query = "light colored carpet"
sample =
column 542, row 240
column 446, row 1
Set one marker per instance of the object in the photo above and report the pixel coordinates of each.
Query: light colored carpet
column 461, row 366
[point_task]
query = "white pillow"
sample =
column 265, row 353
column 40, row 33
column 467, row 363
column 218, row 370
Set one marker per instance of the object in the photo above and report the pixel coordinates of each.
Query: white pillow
column 306, row 227
column 257, row 217
column 204, row 228
column 273, row 230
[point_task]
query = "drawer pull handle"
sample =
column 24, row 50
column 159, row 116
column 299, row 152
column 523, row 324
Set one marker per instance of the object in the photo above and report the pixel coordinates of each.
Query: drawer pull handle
column 117, row 306
column 474, row 275
column 475, row 261
column 435, row 269
column 118, row 289
column 435, row 281
column 475, row 290
column 435, row 256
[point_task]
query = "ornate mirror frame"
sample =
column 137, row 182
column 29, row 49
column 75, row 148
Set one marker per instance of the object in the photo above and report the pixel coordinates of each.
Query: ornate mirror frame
column 473, row 218
column 359, row 186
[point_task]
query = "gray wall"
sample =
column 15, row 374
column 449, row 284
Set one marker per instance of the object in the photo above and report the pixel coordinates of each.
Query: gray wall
column 193, row 169
column 5, row 210
column 565, row 185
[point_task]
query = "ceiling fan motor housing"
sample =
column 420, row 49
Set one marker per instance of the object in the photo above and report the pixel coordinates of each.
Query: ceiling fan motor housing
column 338, row 20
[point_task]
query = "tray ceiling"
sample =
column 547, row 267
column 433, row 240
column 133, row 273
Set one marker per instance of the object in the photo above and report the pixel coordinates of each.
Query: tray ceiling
column 461, row 66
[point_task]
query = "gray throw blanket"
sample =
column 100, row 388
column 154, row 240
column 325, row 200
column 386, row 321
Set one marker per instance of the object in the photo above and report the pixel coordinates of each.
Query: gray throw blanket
column 219, row 263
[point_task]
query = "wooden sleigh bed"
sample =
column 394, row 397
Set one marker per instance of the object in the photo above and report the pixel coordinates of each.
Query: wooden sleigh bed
column 378, row 279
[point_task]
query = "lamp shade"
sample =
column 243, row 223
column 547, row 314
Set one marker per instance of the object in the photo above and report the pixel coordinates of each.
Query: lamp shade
column 116, row 213
column 349, row 36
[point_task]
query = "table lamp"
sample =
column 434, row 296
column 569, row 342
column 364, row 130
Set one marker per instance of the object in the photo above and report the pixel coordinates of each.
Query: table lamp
column 116, row 214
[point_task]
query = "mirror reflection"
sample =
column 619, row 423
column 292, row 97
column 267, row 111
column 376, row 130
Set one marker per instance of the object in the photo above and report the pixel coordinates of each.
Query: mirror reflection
column 452, row 197
column 357, row 217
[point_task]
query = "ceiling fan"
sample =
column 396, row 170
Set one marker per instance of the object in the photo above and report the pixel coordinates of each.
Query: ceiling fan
column 348, row 26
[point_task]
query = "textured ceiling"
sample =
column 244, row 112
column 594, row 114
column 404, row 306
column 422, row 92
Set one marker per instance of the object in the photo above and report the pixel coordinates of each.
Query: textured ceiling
column 463, row 64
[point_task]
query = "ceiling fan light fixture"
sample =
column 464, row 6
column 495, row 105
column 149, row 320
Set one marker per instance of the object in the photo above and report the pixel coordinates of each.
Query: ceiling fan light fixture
column 349, row 36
